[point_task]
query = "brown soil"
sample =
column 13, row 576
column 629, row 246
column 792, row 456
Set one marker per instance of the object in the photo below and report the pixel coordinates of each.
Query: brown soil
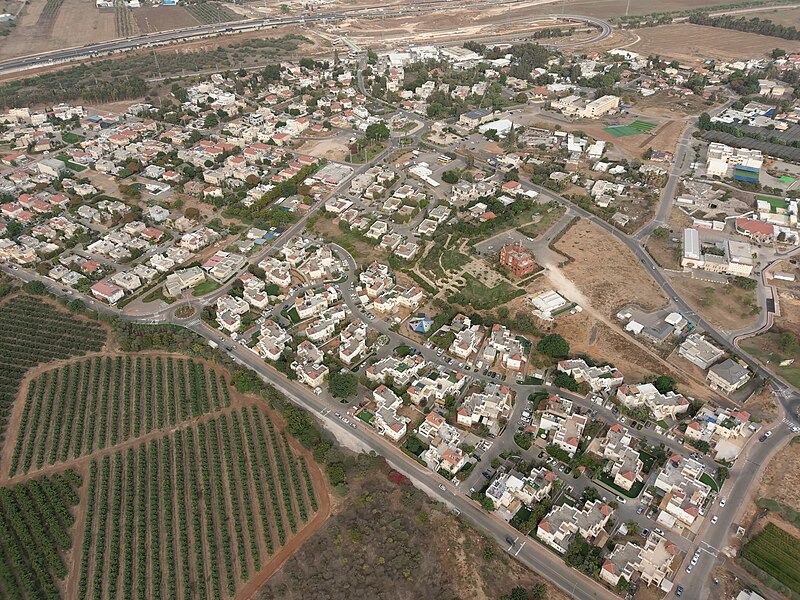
column 665, row 252
column 789, row 302
column 763, row 405
column 696, row 43
column 163, row 18
column 722, row 305
column 606, row 271
column 781, row 480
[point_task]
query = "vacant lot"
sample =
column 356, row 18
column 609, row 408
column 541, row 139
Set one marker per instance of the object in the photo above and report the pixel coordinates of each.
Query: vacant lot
column 667, row 105
column 768, row 349
column 790, row 310
column 781, row 480
column 725, row 306
column 665, row 252
column 162, row 18
column 334, row 148
column 392, row 541
column 605, row 271
column 696, row 43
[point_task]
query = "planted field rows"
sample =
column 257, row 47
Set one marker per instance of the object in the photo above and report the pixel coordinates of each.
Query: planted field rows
column 777, row 553
column 212, row 12
column 34, row 521
column 33, row 332
column 193, row 514
column 88, row 405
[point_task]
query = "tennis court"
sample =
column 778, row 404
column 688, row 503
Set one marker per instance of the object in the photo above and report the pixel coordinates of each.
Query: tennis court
column 635, row 128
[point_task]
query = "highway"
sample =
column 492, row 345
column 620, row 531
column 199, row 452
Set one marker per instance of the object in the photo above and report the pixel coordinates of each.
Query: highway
column 161, row 38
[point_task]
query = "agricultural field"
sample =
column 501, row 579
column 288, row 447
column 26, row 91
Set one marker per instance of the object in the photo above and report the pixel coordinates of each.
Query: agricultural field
column 88, row 405
column 695, row 43
column 192, row 514
column 777, row 553
column 163, row 18
column 124, row 20
column 35, row 520
column 32, row 332
column 212, row 12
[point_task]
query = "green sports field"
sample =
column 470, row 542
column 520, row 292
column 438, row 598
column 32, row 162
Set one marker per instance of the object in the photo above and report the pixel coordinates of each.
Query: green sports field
column 634, row 128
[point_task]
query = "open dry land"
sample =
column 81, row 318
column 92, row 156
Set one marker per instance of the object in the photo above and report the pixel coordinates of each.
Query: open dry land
column 54, row 24
column 724, row 306
column 390, row 536
column 666, row 105
column 696, row 43
column 770, row 349
column 781, row 16
column 789, row 302
column 781, row 480
column 333, row 148
column 605, row 271
column 665, row 252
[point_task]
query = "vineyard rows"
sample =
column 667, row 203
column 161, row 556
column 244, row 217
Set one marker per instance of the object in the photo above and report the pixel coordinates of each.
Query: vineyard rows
column 776, row 552
column 209, row 13
column 92, row 404
column 33, row 332
column 193, row 514
column 34, row 523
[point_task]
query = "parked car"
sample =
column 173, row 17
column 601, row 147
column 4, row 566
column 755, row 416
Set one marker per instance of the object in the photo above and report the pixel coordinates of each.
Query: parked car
column 679, row 591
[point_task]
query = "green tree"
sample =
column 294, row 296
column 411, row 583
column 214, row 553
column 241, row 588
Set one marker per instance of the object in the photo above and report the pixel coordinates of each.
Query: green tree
column 377, row 131
column 450, row 176
column 553, row 345
column 343, row 385
column 665, row 384
column 565, row 381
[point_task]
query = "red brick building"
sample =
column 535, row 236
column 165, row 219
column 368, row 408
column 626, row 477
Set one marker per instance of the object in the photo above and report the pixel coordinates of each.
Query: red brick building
column 517, row 260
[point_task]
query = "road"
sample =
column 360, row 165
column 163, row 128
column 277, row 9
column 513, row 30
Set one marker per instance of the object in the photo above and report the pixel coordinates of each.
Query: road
column 160, row 38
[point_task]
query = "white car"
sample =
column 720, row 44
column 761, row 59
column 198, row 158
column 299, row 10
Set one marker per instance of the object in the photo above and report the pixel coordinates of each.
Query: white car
column 722, row 502
column 714, row 519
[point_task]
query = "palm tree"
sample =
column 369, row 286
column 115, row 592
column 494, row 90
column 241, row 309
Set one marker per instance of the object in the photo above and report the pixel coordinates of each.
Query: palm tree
column 632, row 527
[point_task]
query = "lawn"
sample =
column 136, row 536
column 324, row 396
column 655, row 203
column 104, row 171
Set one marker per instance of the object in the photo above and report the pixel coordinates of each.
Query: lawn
column 453, row 261
column 477, row 296
column 206, row 287
column 292, row 315
column 775, row 203
column 648, row 460
column 765, row 348
column 608, row 482
column 634, row 128
column 367, row 153
column 709, row 481
column 365, row 416
column 71, row 138
column 71, row 165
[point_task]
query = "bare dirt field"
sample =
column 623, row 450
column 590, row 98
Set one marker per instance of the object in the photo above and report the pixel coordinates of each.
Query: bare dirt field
column 762, row 404
column 665, row 105
column 781, row 479
column 789, row 302
column 665, row 252
column 606, row 271
column 696, row 43
column 163, row 18
column 74, row 23
column 781, row 16
column 331, row 148
column 724, row 306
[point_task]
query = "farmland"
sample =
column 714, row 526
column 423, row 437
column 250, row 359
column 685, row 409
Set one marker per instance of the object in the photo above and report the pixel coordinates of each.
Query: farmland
column 35, row 519
column 194, row 513
column 34, row 332
column 88, row 405
column 777, row 553
column 212, row 12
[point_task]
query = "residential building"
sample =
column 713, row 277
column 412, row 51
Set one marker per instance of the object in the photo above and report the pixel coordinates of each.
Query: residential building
column 386, row 420
column 727, row 376
column 699, row 351
column 603, row 378
column 563, row 522
column 662, row 406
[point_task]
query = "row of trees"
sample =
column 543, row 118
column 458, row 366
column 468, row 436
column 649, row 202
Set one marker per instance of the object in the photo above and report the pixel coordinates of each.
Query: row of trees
column 754, row 25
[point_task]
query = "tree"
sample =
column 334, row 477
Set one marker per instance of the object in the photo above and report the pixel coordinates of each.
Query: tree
column 554, row 346
column 377, row 131
column 343, row 385
column 788, row 343
column 450, row 176
column 722, row 474
column 565, row 381
column 661, row 233
column 665, row 384
column 487, row 503
column 704, row 122
column 35, row 287
column 632, row 527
